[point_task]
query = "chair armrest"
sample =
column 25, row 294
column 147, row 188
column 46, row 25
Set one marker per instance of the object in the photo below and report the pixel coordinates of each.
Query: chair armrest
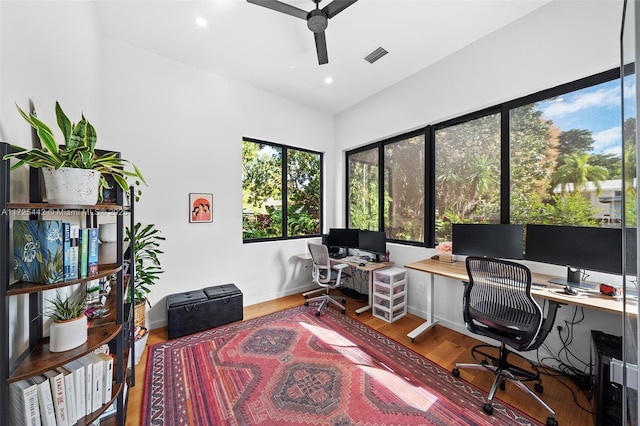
column 340, row 266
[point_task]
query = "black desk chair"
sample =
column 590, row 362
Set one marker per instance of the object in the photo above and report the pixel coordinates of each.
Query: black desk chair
column 326, row 276
column 498, row 304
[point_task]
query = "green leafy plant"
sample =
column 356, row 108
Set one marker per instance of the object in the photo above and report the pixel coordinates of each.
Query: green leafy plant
column 64, row 309
column 78, row 151
column 147, row 264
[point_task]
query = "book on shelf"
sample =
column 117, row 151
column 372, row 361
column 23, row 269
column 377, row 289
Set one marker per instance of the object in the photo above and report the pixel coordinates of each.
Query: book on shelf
column 70, row 395
column 23, row 399
column 45, row 400
column 107, row 377
column 92, row 247
column 83, row 253
column 96, row 383
column 79, row 385
column 58, row 392
column 38, row 251
column 73, row 252
column 66, row 250
column 88, row 384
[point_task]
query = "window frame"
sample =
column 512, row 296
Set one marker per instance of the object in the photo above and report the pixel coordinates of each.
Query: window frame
column 380, row 145
column 285, row 191
column 429, row 131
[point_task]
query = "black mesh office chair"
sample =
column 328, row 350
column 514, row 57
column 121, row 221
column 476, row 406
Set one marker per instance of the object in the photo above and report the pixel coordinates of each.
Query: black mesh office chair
column 498, row 304
column 326, row 276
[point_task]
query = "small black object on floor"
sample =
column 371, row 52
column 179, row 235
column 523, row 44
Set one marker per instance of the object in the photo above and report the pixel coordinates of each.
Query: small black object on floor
column 349, row 292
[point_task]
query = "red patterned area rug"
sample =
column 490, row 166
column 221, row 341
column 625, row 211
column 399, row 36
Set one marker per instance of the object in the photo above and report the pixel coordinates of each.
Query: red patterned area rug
column 293, row 368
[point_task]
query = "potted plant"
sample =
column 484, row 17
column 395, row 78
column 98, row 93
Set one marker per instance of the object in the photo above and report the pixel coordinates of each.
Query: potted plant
column 147, row 266
column 69, row 327
column 76, row 157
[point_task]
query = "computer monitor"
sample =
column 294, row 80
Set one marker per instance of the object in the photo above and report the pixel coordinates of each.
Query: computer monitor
column 632, row 251
column 342, row 238
column 577, row 247
column 373, row 242
column 490, row 240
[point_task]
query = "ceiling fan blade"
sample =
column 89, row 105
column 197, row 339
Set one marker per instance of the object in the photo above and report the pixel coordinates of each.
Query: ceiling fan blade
column 321, row 48
column 281, row 7
column 337, row 6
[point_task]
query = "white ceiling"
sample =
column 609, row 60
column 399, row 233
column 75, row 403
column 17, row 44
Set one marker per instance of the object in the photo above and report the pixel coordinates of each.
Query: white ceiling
column 276, row 52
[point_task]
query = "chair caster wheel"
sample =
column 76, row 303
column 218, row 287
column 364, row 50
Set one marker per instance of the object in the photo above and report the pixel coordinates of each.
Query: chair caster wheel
column 487, row 408
column 306, row 303
column 317, row 313
column 538, row 388
column 551, row 421
column 455, row 371
column 344, row 311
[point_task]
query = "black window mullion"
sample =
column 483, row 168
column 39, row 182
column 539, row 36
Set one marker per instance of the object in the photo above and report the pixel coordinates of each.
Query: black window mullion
column 381, row 175
column 430, row 187
column 505, row 165
column 285, row 185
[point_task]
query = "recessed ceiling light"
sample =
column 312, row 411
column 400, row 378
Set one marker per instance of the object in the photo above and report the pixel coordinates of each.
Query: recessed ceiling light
column 328, row 80
column 201, row 22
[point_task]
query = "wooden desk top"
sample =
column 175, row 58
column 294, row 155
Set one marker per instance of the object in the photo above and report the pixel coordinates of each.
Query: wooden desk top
column 588, row 299
column 368, row 266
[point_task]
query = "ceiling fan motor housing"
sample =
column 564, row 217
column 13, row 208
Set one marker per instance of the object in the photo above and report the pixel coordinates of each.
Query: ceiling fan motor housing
column 317, row 21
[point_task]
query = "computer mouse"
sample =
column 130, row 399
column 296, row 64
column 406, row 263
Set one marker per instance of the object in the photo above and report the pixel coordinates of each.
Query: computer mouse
column 361, row 264
column 570, row 290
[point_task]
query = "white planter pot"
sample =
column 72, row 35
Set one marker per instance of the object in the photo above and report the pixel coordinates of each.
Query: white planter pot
column 68, row 334
column 71, row 186
column 108, row 232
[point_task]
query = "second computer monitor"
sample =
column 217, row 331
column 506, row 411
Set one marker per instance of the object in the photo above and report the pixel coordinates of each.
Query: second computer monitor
column 489, row 240
column 584, row 247
column 373, row 242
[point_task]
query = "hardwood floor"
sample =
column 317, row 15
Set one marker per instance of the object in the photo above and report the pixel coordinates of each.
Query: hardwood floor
column 441, row 345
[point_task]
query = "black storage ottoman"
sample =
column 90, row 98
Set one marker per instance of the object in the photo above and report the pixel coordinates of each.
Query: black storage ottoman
column 199, row 310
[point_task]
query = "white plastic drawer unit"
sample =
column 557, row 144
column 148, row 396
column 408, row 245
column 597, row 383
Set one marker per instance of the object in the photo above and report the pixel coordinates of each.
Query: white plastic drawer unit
column 390, row 294
column 390, row 316
column 390, row 275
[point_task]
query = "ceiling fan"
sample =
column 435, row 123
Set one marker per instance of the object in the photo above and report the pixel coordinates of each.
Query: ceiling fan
column 317, row 19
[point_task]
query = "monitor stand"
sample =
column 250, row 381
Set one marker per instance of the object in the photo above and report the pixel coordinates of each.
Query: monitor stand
column 573, row 279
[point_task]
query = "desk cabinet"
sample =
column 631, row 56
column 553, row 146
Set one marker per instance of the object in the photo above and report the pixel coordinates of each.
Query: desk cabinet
column 390, row 294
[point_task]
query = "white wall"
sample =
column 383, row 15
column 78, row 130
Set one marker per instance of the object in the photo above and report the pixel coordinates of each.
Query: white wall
column 184, row 129
column 558, row 43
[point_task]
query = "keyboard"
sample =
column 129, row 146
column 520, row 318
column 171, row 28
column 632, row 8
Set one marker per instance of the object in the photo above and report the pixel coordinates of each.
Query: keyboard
column 354, row 259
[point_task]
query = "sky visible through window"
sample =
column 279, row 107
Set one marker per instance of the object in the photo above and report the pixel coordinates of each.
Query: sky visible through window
column 596, row 109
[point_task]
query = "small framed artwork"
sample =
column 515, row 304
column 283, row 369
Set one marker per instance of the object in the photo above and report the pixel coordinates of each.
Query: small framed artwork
column 200, row 207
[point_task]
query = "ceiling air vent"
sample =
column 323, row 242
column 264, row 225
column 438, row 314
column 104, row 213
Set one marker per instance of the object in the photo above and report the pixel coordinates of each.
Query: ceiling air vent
column 377, row 53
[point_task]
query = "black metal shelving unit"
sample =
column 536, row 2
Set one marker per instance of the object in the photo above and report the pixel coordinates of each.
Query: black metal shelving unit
column 117, row 330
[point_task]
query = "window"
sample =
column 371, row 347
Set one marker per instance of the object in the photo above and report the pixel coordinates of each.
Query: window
column 467, row 173
column 363, row 189
column 399, row 199
column 404, row 173
column 272, row 173
column 566, row 158
column 553, row 157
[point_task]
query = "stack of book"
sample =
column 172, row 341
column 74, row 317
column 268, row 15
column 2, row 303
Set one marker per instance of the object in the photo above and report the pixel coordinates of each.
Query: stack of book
column 52, row 251
column 65, row 395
